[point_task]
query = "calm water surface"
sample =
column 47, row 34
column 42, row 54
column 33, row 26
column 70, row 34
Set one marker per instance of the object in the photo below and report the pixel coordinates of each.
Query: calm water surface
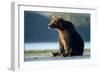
column 46, row 45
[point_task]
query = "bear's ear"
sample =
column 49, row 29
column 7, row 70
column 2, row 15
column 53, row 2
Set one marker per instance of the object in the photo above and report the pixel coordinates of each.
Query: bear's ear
column 59, row 17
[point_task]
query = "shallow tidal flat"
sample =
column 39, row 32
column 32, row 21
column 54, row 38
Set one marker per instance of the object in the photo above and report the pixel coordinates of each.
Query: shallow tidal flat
column 45, row 55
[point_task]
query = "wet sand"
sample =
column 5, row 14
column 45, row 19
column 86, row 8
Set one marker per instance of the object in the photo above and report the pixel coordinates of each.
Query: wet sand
column 48, row 56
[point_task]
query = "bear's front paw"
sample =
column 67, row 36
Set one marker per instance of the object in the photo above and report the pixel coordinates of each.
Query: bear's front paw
column 65, row 54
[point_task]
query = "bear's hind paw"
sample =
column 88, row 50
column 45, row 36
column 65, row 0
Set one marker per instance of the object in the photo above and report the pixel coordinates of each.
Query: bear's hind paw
column 55, row 54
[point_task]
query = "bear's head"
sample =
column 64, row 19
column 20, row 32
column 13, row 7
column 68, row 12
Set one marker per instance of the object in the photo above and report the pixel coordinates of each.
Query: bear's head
column 61, row 24
column 55, row 22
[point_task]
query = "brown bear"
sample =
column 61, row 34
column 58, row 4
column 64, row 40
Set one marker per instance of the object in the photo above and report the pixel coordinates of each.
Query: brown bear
column 70, row 42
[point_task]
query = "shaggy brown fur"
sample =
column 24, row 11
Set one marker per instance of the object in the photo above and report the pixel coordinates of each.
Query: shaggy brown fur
column 70, row 42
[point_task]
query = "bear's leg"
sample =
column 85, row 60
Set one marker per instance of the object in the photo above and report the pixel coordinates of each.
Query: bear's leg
column 66, row 49
column 67, row 53
column 61, row 50
column 61, row 47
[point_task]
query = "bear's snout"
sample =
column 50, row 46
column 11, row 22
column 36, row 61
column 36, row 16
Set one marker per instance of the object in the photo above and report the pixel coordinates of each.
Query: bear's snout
column 52, row 26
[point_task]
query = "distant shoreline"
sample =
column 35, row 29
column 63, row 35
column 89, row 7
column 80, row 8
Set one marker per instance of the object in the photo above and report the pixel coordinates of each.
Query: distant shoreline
column 46, row 46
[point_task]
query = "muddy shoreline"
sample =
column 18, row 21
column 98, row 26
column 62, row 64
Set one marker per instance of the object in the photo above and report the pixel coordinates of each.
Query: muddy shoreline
column 46, row 56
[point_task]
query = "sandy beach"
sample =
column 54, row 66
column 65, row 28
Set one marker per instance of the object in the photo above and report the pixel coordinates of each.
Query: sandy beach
column 46, row 56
